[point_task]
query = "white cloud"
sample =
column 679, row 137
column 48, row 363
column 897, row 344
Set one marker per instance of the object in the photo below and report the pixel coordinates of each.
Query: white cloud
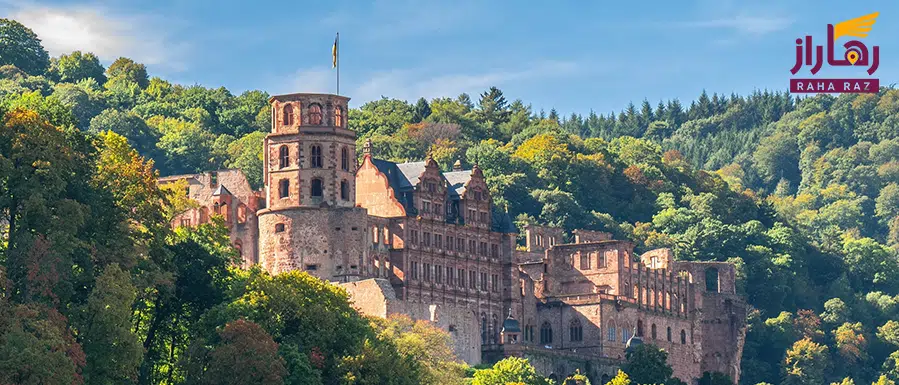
column 411, row 85
column 63, row 29
column 752, row 25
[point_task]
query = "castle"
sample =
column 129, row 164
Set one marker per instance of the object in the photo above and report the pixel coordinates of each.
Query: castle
column 408, row 238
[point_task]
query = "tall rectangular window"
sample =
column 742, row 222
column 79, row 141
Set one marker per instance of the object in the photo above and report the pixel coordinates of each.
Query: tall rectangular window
column 438, row 274
column 473, row 279
column 494, row 282
column 461, row 278
column 427, row 239
column 483, row 281
column 413, row 269
column 612, row 334
column 494, row 250
column 438, row 241
column 449, row 275
column 413, row 234
column 427, row 272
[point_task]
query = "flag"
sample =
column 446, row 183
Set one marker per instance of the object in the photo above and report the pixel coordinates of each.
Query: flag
column 334, row 53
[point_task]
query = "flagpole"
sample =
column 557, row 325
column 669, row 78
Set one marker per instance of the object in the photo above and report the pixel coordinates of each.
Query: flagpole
column 337, row 44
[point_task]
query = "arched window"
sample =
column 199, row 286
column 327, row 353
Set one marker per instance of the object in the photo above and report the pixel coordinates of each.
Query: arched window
column 287, row 115
column 711, row 280
column 284, row 188
column 653, row 331
column 344, row 159
column 283, row 156
column 317, row 188
column 225, row 212
column 338, row 116
column 316, row 156
column 315, row 115
column 494, row 332
column 546, row 334
column 669, row 334
column 344, row 190
column 639, row 328
column 204, row 214
column 575, row 331
column 483, row 329
column 683, row 337
column 636, row 291
column 216, row 209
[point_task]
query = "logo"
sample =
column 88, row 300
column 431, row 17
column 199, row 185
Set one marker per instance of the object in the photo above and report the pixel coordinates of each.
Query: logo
column 854, row 54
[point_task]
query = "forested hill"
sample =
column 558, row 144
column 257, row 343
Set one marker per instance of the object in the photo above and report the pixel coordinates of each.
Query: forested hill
column 802, row 194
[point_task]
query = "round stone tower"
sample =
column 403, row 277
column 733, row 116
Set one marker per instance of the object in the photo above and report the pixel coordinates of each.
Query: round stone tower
column 310, row 221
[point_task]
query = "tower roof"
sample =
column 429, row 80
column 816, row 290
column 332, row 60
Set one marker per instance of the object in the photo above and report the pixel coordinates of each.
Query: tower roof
column 221, row 190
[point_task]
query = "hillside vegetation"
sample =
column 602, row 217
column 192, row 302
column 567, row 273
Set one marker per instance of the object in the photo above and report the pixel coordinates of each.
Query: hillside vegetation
column 803, row 195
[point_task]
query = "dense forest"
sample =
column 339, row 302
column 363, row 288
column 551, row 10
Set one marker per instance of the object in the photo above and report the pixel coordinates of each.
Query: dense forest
column 802, row 194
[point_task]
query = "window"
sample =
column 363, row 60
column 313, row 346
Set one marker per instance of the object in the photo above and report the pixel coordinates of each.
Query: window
column 483, row 329
column 625, row 335
column 438, row 274
column 311, row 267
column 427, row 272
column 284, row 188
column 683, row 337
column 471, row 215
column 344, row 159
column 612, row 334
column 482, row 248
column 653, row 331
column 494, row 250
column 344, row 190
column 711, row 280
column 438, row 209
column 494, row 282
column 287, row 115
column 585, row 261
column 449, row 275
column 241, row 213
column 472, row 246
column 461, row 278
column 315, row 115
column 460, row 244
column 438, row 241
column 575, row 331
column 284, row 156
column 431, row 187
column 426, row 239
column 669, row 334
column 472, row 279
column 413, row 235
column 483, row 281
column 477, row 195
column 279, row 228
column 338, row 116
column 425, row 206
column 413, row 269
column 375, row 238
column 546, row 334
column 484, row 217
column 602, row 260
column 317, row 188
column 639, row 328
column 449, row 243
column 316, row 156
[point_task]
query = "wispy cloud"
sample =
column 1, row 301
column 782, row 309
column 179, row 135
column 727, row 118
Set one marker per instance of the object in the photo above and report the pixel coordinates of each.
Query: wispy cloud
column 106, row 33
column 745, row 24
column 411, row 85
column 391, row 19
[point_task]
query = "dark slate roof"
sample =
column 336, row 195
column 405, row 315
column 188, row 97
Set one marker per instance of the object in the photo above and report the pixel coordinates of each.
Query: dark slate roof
column 221, row 191
column 457, row 181
column 401, row 176
column 412, row 171
column 502, row 223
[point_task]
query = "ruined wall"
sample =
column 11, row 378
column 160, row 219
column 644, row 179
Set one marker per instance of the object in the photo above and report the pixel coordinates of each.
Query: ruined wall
column 238, row 210
column 331, row 244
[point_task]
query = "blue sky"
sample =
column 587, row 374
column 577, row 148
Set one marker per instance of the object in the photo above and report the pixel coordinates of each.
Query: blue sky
column 571, row 55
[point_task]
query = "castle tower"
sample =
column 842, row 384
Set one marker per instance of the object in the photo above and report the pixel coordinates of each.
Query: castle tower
column 310, row 154
column 310, row 221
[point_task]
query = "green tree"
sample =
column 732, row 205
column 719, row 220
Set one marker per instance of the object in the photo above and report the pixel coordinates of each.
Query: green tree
column 620, row 379
column 126, row 69
column 423, row 343
column 113, row 351
column 246, row 354
column 421, row 111
column 509, row 370
column 76, row 66
column 889, row 332
column 806, row 363
column 647, row 364
column 20, row 47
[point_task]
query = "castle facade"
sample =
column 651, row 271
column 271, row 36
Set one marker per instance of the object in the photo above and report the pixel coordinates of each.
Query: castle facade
column 407, row 238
